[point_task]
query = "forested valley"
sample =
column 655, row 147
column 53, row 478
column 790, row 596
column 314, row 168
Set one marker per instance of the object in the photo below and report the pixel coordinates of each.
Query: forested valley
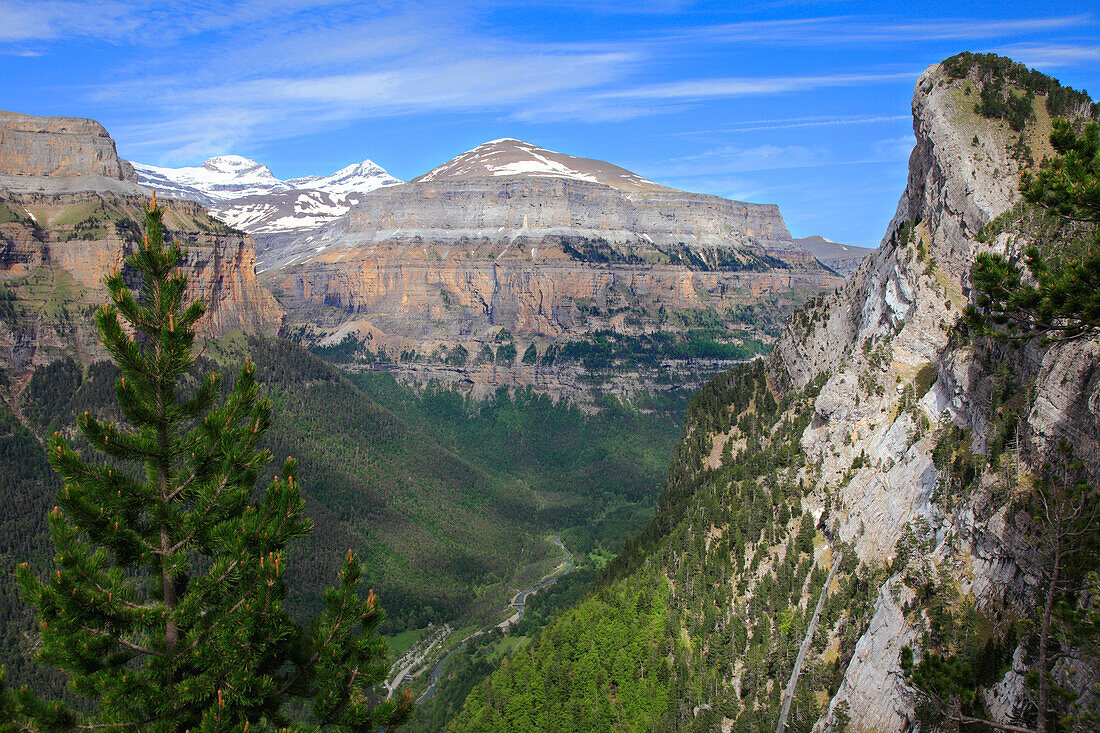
column 450, row 502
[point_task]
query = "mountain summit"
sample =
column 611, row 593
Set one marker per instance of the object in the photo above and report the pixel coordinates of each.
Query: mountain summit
column 355, row 178
column 510, row 157
column 221, row 178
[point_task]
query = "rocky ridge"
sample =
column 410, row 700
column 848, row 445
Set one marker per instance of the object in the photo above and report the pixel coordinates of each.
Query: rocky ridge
column 886, row 341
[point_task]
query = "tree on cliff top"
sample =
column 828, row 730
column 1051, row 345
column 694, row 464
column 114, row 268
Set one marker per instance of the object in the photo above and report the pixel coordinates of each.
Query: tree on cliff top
column 1061, row 302
column 164, row 602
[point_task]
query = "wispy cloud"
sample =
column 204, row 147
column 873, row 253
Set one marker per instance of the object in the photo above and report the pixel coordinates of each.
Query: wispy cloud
column 730, row 159
column 1051, row 55
column 726, row 160
column 742, row 87
column 220, row 117
column 208, row 77
column 848, row 29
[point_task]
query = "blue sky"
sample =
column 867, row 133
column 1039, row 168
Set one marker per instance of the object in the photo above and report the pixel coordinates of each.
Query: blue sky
column 805, row 105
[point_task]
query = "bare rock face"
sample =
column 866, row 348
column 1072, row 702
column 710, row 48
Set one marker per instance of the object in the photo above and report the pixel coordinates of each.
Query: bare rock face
column 70, row 213
column 56, row 250
column 545, row 246
column 895, row 376
column 58, row 147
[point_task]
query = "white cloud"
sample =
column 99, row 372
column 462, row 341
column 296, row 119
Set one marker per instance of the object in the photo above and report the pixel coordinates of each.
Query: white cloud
column 1051, row 55
column 849, row 29
column 695, row 89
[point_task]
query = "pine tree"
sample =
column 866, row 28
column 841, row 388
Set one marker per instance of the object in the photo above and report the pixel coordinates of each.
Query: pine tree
column 1060, row 301
column 164, row 602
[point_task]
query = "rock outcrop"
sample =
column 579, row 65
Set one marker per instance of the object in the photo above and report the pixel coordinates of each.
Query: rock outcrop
column 58, row 147
column 897, row 377
column 70, row 212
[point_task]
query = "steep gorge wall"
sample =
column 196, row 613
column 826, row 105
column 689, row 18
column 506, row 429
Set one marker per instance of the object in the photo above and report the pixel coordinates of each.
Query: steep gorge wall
column 896, row 317
column 55, row 251
column 70, row 213
column 429, row 266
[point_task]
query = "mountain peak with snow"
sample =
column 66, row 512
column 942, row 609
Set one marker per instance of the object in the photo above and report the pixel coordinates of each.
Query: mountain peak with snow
column 508, row 156
column 220, row 178
column 362, row 177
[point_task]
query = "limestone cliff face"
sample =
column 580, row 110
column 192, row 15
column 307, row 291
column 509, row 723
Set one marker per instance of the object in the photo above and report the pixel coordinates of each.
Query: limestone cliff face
column 56, row 249
column 891, row 322
column 450, row 261
column 70, row 213
column 58, row 146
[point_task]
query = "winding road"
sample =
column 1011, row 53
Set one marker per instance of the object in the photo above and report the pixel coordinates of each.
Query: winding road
column 518, row 602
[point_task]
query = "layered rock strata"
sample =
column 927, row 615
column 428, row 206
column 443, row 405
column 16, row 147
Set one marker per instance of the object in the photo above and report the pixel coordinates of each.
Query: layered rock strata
column 453, row 258
column 70, row 213
column 58, row 147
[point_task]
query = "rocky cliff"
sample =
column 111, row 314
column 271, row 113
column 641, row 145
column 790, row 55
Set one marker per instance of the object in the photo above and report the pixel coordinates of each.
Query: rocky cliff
column 881, row 431
column 901, row 378
column 545, row 247
column 70, row 213
column 58, row 147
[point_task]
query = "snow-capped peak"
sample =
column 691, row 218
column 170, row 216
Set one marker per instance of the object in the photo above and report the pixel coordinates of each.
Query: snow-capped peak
column 508, row 156
column 356, row 178
column 245, row 194
column 219, row 178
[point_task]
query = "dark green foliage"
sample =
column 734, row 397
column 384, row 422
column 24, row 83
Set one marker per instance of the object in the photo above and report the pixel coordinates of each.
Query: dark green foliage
column 1070, row 185
column 708, row 628
column 1002, row 103
column 702, row 259
column 27, row 490
column 597, row 251
column 49, row 391
column 596, row 478
column 164, row 602
column 610, row 349
column 341, row 352
column 1061, row 300
column 506, row 354
column 11, row 212
column 926, row 377
column 531, row 355
column 458, row 356
column 602, row 663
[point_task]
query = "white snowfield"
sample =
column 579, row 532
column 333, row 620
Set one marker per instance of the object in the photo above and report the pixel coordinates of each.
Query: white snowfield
column 246, row 195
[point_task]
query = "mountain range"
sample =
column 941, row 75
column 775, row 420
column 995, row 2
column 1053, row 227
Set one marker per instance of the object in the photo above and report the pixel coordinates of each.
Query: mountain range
column 511, row 244
column 246, row 195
